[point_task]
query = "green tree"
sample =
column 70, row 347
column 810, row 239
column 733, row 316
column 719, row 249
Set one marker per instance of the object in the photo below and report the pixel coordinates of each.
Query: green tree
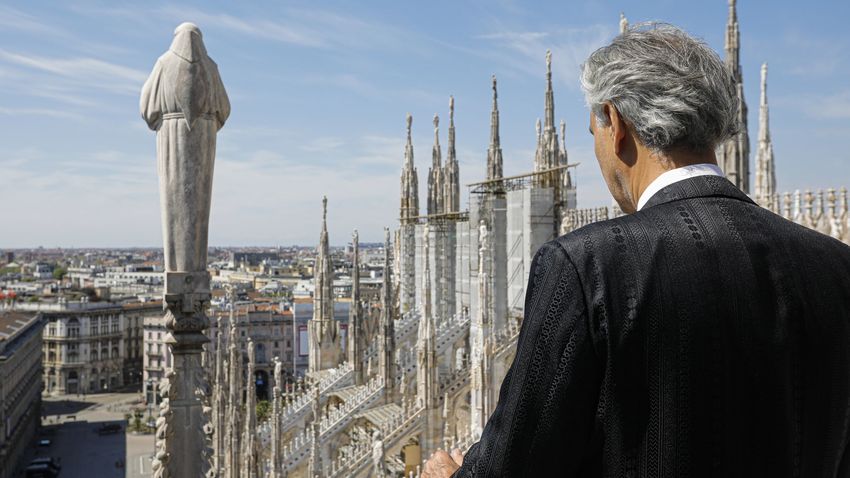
column 59, row 272
column 264, row 409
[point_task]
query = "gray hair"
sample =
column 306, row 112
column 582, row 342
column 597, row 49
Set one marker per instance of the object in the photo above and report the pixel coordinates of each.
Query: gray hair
column 672, row 89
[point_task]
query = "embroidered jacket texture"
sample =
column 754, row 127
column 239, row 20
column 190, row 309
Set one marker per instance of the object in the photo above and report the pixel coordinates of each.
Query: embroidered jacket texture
column 701, row 336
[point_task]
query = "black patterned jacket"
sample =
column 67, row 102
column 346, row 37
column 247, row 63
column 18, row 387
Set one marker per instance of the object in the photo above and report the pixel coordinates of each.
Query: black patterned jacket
column 700, row 336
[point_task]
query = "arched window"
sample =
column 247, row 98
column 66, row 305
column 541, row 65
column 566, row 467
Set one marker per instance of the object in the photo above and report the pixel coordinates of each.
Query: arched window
column 261, row 353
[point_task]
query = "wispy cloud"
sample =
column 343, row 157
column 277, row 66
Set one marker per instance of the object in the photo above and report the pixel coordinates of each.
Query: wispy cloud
column 523, row 50
column 91, row 71
column 825, row 106
column 53, row 113
column 16, row 20
column 314, row 28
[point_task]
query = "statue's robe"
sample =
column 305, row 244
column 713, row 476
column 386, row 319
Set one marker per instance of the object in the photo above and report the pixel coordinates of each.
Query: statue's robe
column 184, row 101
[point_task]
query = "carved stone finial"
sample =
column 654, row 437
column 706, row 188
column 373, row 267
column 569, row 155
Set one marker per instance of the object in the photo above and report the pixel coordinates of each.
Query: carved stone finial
column 409, row 124
column 324, row 208
column 436, row 121
column 451, row 108
column 549, row 62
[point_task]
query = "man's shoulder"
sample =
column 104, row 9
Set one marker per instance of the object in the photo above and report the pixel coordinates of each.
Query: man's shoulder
column 593, row 236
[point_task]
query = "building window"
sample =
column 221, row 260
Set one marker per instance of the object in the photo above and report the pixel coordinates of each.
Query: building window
column 73, row 328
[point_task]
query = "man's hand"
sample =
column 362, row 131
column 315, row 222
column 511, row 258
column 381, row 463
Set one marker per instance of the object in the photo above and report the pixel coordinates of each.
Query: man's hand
column 442, row 465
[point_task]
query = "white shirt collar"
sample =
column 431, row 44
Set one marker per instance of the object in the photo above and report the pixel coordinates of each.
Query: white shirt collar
column 675, row 175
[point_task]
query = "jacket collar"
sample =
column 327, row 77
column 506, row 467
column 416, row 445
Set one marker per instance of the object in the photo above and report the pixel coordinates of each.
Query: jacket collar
column 699, row 186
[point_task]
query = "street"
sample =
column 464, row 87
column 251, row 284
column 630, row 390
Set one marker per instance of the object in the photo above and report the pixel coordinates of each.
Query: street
column 70, row 423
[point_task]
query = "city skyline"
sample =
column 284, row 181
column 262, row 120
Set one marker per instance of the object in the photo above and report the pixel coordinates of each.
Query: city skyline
column 319, row 99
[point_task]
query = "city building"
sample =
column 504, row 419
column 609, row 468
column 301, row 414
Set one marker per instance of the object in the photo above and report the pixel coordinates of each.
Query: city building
column 20, row 386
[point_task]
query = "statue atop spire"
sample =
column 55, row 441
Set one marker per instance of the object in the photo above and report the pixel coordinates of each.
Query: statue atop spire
column 624, row 23
column 765, row 187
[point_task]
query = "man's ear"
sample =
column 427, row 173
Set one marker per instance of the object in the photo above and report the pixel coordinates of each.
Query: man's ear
column 618, row 128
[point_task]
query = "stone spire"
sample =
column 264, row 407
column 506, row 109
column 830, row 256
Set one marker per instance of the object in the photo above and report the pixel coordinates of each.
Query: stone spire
column 765, row 187
column 249, row 444
column 733, row 156
column 407, row 216
column 277, row 468
column 386, row 328
column 435, row 173
column 549, row 119
column 624, row 23
column 451, row 172
column 324, row 330
column 494, row 152
column 234, row 401
column 219, row 401
column 314, row 466
column 479, row 334
column 356, row 332
column 427, row 389
column 409, row 180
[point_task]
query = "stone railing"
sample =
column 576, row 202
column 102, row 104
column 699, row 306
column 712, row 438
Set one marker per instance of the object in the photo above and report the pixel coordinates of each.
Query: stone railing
column 448, row 331
column 404, row 327
column 299, row 447
column 825, row 211
column 356, row 458
column 300, row 404
column 576, row 218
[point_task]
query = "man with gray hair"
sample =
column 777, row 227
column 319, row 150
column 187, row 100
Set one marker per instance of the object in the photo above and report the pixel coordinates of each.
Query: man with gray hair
column 700, row 335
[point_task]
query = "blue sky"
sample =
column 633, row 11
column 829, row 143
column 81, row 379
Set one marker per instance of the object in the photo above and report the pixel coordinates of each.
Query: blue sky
column 319, row 92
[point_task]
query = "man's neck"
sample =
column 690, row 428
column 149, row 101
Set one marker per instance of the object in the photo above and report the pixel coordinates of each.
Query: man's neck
column 650, row 165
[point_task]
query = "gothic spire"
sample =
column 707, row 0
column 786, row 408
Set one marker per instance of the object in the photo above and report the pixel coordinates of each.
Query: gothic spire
column 550, row 95
column 409, row 180
column 386, row 330
column 314, row 466
column 732, row 43
column 451, row 174
column 249, row 445
column 323, row 336
column 734, row 155
column 234, row 405
column 435, row 173
column 355, row 316
column 494, row 152
column 765, row 186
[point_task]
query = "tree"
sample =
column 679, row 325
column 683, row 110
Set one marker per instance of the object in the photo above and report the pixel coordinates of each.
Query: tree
column 59, row 272
column 264, row 409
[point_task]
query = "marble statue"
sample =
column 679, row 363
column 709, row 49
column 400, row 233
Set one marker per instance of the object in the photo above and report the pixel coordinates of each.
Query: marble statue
column 184, row 101
column 378, row 466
